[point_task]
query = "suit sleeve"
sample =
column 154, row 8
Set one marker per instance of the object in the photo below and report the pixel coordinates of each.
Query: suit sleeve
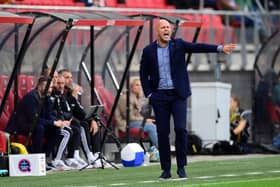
column 145, row 73
column 199, row 47
column 48, row 119
column 32, row 106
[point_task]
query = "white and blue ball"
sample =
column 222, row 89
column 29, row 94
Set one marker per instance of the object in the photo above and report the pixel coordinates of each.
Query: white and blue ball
column 132, row 155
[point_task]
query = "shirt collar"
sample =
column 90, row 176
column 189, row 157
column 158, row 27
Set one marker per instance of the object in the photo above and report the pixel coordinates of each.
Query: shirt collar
column 158, row 46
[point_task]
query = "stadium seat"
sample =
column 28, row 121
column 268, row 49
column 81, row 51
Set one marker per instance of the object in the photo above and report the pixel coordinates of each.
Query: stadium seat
column 133, row 3
column 25, row 84
column 19, row 138
column 274, row 115
column 212, row 26
column 6, row 111
column 9, row 105
column 111, row 3
column 156, row 4
column 3, row 121
column 147, row 4
column 272, row 128
column 3, row 83
column 49, row 3
column 22, row 86
column 30, row 82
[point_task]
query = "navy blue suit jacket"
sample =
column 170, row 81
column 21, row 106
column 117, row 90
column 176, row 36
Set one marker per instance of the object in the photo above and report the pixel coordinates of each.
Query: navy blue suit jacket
column 21, row 120
column 149, row 73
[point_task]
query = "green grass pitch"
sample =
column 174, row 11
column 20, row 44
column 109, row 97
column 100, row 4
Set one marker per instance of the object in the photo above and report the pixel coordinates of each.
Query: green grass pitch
column 248, row 172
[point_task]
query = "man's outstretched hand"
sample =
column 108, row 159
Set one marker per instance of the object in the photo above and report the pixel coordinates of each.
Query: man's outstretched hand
column 227, row 48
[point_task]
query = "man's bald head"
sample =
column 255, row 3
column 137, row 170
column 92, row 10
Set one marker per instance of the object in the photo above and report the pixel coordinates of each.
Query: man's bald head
column 163, row 32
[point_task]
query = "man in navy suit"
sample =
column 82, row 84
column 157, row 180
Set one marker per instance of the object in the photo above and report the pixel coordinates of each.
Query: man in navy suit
column 165, row 82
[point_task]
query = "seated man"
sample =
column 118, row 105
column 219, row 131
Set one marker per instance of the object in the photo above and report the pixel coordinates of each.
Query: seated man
column 47, row 127
column 238, row 123
column 62, row 111
column 78, row 114
column 135, row 117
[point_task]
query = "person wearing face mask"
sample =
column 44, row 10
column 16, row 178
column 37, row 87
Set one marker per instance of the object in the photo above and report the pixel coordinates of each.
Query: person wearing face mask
column 165, row 81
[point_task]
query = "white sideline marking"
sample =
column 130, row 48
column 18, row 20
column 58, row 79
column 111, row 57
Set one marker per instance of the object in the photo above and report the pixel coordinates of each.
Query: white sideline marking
column 151, row 181
column 80, row 186
column 254, row 173
column 119, row 184
column 179, row 179
column 274, row 171
column 231, row 182
column 229, row 175
column 205, row 177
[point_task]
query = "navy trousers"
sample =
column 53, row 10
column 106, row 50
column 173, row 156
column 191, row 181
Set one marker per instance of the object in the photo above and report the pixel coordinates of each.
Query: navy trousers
column 44, row 138
column 167, row 103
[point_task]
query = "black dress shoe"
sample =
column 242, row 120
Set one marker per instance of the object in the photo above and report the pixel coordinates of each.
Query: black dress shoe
column 165, row 174
column 181, row 172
